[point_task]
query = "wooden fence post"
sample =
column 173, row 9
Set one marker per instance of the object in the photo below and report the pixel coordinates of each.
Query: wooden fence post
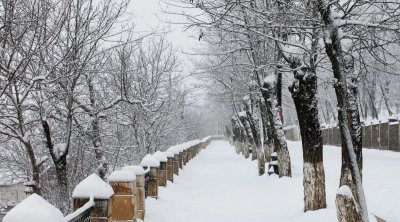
column 140, row 192
column 123, row 202
column 151, row 164
column 101, row 192
column 170, row 165
column 162, row 177
column 175, row 160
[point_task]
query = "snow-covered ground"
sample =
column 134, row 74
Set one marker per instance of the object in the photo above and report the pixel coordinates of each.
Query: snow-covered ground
column 219, row 185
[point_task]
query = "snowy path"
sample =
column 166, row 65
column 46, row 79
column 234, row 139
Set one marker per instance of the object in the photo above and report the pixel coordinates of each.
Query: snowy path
column 219, row 185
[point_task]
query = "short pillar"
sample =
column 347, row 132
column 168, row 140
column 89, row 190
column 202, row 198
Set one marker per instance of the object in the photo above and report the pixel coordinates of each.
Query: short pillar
column 175, row 161
column 185, row 157
column 170, row 165
column 162, row 177
column 123, row 203
column 140, row 192
column 151, row 164
column 180, row 159
column 101, row 191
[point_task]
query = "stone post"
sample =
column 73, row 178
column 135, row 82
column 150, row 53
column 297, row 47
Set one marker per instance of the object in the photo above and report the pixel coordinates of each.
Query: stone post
column 184, row 157
column 170, row 165
column 180, row 159
column 123, row 203
column 162, row 177
column 140, row 192
column 175, row 161
column 101, row 192
column 152, row 165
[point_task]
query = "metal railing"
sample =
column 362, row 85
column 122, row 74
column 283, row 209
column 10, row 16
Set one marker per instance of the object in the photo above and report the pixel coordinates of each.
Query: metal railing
column 83, row 216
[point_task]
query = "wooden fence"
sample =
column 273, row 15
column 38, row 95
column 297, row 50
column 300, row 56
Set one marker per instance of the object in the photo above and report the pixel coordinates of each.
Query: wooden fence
column 127, row 199
column 378, row 135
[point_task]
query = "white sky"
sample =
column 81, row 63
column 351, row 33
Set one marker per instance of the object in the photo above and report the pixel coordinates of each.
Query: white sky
column 148, row 16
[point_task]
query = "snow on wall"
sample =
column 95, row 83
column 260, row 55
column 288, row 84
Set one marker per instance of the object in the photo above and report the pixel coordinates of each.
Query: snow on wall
column 94, row 186
column 122, row 176
column 150, row 161
column 34, row 208
column 169, row 154
column 138, row 170
column 160, row 156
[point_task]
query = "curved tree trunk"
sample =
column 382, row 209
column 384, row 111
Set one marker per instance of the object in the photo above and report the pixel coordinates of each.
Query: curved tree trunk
column 282, row 151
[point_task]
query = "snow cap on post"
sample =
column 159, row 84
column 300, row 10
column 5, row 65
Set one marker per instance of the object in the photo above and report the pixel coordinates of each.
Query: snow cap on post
column 138, row 170
column 160, row 156
column 34, row 208
column 169, row 154
column 93, row 185
column 122, row 176
column 173, row 150
column 150, row 161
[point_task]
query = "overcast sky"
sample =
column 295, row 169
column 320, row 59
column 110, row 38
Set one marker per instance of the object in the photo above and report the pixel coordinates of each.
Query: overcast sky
column 148, row 16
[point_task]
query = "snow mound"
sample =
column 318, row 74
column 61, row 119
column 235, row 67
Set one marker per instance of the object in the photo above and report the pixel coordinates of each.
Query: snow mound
column 270, row 80
column 274, row 154
column 34, row 208
column 150, row 161
column 93, row 185
column 138, row 170
column 173, row 150
column 122, row 176
column 160, row 156
column 169, row 154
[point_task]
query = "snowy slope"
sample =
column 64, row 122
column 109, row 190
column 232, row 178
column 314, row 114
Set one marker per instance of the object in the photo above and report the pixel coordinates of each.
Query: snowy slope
column 220, row 185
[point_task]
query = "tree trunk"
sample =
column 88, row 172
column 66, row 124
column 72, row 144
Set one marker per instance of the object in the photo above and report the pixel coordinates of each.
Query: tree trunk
column 334, row 51
column 268, row 140
column 282, row 151
column 355, row 128
column 304, row 93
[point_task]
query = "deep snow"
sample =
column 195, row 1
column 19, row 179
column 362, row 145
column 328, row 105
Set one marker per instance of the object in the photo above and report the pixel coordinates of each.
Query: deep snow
column 219, row 185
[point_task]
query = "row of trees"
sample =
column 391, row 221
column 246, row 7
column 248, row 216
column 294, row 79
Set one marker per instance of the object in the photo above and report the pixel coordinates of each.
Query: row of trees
column 80, row 91
column 255, row 47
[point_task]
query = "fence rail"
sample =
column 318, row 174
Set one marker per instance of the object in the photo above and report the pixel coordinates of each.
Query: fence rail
column 378, row 135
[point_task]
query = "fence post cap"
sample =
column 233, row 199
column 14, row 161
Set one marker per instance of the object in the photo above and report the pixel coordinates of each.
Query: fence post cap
column 93, row 185
column 34, row 208
column 138, row 170
column 122, row 176
column 150, row 161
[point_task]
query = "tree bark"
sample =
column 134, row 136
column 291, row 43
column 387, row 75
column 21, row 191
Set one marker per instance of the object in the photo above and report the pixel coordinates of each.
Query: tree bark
column 334, row 51
column 304, row 93
column 284, row 164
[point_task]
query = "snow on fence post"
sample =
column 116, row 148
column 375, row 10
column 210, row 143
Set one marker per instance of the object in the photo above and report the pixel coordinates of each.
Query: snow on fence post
column 123, row 202
column 170, row 165
column 140, row 192
column 346, row 208
column 101, row 192
column 34, row 208
column 162, row 177
column 152, row 165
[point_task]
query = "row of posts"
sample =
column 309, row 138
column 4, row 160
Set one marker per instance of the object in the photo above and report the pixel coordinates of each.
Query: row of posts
column 245, row 148
column 132, row 184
